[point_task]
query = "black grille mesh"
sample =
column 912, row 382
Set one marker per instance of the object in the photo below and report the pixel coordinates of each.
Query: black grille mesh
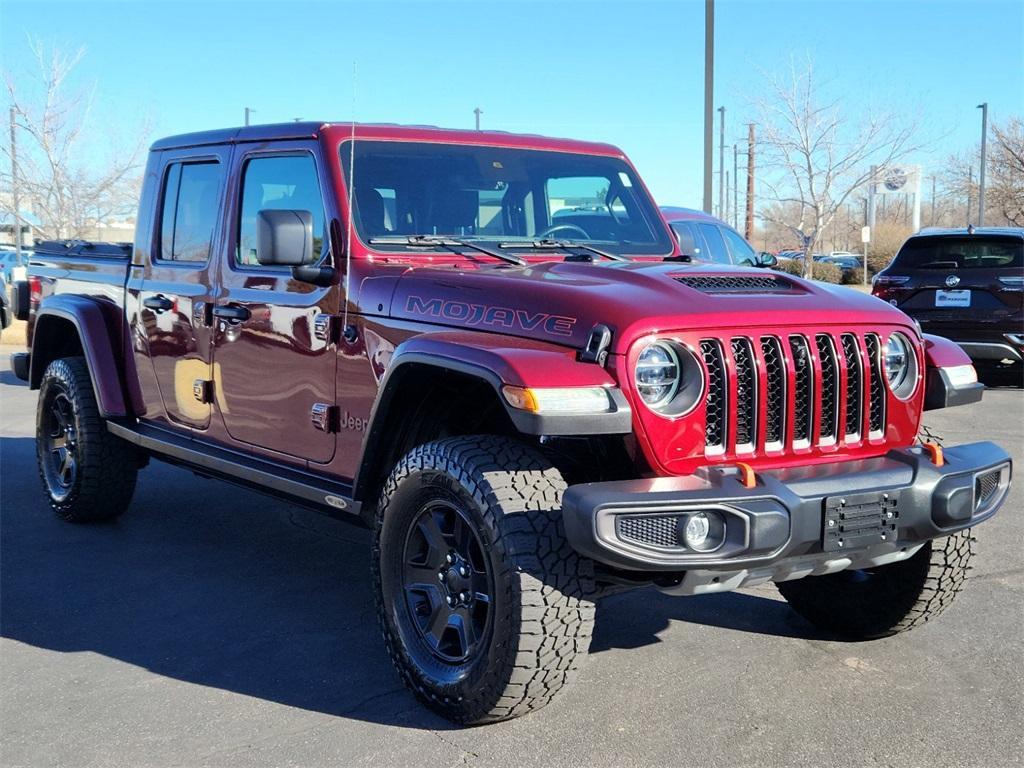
column 803, row 395
column 746, row 392
column 985, row 487
column 854, row 374
column 829, row 387
column 818, row 363
column 736, row 284
column 876, row 413
column 657, row 531
column 714, row 430
column 775, row 381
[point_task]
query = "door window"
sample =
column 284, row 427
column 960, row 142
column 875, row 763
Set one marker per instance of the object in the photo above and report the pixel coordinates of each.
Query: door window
column 189, row 213
column 689, row 245
column 741, row 251
column 716, row 245
column 282, row 182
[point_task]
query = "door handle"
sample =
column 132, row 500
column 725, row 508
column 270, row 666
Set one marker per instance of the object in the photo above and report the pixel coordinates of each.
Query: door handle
column 233, row 313
column 158, row 303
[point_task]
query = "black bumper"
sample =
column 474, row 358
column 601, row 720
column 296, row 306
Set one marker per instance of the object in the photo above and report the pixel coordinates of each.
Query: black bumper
column 895, row 501
column 19, row 365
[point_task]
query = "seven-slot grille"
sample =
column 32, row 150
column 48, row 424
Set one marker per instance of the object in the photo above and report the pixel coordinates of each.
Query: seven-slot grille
column 792, row 391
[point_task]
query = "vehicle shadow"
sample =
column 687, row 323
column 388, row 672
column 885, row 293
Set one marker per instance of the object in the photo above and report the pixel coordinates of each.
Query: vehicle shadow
column 221, row 587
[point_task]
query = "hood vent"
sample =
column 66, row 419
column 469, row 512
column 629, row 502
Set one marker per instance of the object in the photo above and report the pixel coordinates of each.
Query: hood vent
column 736, row 283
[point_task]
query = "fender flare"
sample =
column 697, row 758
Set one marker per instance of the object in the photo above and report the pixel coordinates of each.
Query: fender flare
column 86, row 315
column 941, row 391
column 499, row 360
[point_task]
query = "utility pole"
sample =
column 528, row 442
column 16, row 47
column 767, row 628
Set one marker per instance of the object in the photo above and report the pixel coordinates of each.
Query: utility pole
column 721, row 163
column 749, row 224
column 728, row 197
column 248, row 111
column 735, row 186
column 476, row 113
column 709, row 99
column 981, row 183
column 14, row 191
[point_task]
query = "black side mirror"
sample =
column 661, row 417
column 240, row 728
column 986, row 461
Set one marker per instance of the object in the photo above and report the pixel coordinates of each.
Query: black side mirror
column 284, row 238
column 766, row 260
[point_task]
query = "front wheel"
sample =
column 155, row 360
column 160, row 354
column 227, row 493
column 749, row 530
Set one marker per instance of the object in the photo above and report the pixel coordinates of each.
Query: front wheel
column 486, row 610
column 87, row 473
column 876, row 602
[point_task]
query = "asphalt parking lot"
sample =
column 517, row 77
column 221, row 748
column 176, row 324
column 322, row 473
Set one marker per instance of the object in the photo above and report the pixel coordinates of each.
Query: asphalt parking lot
column 212, row 626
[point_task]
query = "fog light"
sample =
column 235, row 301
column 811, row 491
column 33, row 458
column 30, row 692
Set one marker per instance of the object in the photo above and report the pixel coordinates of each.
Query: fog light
column 697, row 530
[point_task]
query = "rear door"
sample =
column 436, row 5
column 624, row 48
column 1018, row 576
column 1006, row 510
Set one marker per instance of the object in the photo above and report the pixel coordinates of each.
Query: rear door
column 275, row 361
column 172, row 300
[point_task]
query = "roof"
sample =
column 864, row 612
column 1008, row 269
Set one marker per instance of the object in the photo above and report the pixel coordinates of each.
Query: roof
column 378, row 131
column 678, row 213
column 974, row 231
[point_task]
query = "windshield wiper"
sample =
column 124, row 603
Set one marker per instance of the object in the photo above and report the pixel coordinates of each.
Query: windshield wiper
column 563, row 245
column 435, row 241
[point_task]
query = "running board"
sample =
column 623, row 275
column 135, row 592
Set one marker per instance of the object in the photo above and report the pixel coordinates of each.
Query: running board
column 294, row 485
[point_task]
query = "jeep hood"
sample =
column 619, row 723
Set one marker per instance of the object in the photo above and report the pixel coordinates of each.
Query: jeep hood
column 560, row 302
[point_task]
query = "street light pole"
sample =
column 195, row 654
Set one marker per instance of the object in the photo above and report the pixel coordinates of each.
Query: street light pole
column 476, row 113
column 709, row 99
column 248, row 111
column 721, row 163
column 981, row 182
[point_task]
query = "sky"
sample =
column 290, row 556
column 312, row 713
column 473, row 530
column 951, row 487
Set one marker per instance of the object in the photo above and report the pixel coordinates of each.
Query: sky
column 628, row 73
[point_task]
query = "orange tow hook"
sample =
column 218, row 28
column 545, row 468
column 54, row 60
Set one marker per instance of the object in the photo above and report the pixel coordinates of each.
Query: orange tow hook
column 747, row 477
column 935, row 452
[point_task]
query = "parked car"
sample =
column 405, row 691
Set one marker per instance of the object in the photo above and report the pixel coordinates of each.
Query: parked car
column 851, row 264
column 5, row 305
column 966, row 285
column 705, row 238
column 12, row 268
column 528, row 408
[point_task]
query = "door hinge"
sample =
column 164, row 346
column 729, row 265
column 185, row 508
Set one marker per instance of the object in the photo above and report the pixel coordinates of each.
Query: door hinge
column 324, row 417
column 324, row 328
column 202, row 390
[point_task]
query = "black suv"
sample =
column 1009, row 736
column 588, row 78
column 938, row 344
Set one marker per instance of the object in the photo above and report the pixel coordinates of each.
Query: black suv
column 966, row 285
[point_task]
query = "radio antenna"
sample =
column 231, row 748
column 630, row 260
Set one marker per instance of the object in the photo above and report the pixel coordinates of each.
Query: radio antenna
column 351, row 197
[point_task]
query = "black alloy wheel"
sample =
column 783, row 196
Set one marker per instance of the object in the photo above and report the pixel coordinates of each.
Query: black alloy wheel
column 448, row 586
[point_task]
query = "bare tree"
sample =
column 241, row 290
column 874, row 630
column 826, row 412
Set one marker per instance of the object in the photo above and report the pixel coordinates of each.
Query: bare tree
column 72, row 175
column 1006, row 170
column 815, row 157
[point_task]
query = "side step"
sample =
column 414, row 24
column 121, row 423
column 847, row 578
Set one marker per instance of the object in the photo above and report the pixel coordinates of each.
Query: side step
column 321, row 493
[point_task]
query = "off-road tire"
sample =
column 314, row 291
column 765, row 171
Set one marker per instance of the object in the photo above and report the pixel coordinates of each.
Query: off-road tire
column 893, row 598
column 543, row 609
column 106, row 466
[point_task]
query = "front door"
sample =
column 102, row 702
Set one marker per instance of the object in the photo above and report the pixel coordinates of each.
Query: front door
column 173, row 298
column 274, row 360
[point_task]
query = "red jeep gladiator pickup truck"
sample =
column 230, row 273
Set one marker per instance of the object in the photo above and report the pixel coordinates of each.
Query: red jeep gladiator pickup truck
column 489, row 348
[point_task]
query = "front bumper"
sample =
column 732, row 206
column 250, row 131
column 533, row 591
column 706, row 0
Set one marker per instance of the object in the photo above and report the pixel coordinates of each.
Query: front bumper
column 794, row 522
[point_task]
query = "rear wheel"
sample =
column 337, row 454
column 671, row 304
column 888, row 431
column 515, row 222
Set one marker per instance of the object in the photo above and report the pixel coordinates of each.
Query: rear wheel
column 87, row 473
column 877, row 602
column 486, row 610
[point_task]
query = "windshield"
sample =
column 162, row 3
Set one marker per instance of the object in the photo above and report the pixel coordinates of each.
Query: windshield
column 500, row 195
column 970, row 252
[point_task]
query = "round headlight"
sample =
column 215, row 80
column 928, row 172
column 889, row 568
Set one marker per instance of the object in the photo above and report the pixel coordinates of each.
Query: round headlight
column 657, row 374
column 668, row 378
column 900, row 365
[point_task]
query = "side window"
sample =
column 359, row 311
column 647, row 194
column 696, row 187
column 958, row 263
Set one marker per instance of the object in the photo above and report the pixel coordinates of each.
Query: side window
column 740, row 248
column 688, row 243
column 190, row 208
column 716, row 245
column 284, row 182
